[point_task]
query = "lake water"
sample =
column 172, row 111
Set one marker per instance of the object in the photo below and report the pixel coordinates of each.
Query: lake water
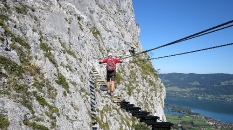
column 218, row 110
column 167, row 111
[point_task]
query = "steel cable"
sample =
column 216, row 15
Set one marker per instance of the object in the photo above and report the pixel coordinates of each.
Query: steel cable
column 201, row 33
column 214, row 47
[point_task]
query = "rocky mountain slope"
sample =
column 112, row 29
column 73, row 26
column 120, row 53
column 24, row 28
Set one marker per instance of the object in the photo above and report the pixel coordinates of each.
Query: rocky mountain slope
column 48, row 50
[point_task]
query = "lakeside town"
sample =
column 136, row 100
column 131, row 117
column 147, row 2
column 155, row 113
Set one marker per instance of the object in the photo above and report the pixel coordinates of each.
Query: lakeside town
column 220, row 125
column 190, row 120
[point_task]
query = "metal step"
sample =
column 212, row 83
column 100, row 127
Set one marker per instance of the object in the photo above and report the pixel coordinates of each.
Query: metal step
column 149, row 118
column 161, row 125
column 132, row 109
column 140, row 113
column 124, row 102
column 101, row 81
column 126, row 105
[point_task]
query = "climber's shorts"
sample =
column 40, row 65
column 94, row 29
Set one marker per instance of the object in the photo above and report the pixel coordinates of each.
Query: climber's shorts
column 111, row 75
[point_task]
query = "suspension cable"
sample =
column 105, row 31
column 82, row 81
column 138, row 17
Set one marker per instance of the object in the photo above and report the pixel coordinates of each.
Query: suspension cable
column 214, row 47
column 210, row 32
column 201, row 33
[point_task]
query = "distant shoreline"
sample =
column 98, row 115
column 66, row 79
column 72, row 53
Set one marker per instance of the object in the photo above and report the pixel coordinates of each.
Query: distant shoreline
column 194, row 73
column 188, row 111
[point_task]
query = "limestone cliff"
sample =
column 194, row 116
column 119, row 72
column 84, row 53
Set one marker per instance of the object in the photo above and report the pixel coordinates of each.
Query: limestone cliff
column 48, row 49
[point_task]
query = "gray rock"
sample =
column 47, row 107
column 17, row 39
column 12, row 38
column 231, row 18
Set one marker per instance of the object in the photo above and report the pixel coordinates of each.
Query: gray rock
column 69, row 38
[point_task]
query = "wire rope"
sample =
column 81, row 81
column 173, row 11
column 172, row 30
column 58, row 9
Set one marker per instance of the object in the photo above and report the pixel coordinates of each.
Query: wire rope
column 201, row 33
column 204, row 49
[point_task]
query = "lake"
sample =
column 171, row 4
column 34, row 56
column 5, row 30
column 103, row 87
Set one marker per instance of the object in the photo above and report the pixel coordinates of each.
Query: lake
column 218, row 110
column 168, row 111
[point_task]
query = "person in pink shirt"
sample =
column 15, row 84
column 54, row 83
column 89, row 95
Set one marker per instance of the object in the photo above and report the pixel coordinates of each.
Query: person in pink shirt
column 111, row 71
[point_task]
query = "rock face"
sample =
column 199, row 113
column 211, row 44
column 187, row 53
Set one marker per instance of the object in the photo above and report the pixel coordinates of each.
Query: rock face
column 48, row 49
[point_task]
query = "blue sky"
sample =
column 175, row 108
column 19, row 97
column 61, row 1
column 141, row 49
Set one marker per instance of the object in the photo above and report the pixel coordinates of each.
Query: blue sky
column 164, row 21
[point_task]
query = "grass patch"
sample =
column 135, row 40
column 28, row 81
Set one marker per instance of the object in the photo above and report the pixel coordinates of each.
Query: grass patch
column 52, row 109
column 62, row 81
column 95, row 32
column 129, row 88
column 39, row 86
column 22, row 55
column 22, row 9
column 51, row 91
column 118, row 78
column 21, row 88
column 146, row 66
column 20, row 93
column 47, row 49
column 2, row 38
column 73, row 83
column 14, row 37
column 32, row 68
column 4, row 123
column 11, row 67
column 34, row 125
column 71, row 53
column 141, row 126
column 3, row 17
column 68, row 51
column 41, row 101
column 103, row 125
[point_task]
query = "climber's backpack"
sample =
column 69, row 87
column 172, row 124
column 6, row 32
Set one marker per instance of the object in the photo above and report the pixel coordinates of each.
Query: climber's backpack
column 111, row 65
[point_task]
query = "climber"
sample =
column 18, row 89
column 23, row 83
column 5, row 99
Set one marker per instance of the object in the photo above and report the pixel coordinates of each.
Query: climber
column 111, row 71
column 132, row 51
